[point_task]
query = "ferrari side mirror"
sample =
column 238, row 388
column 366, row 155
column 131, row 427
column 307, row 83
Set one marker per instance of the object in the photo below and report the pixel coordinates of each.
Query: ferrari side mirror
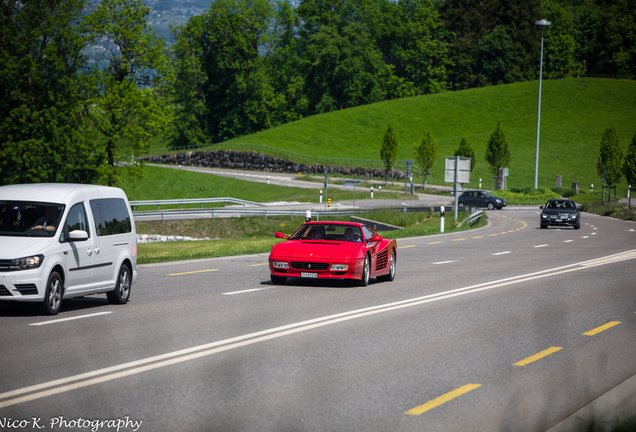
column 281, row 235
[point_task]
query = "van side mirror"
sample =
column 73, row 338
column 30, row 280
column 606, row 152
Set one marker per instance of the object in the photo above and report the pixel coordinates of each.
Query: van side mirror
column 540, row 207
column 77, row 235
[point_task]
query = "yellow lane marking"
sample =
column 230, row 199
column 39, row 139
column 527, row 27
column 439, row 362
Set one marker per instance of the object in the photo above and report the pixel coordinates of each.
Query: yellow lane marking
column 479, row 237
column 601, row 328
column 442, row 399
column 198, row 271
column 402, row 247
column 458, row 239
column 492, row 235
column 537, row 356
column 434, row 242
column 511, row 231
column 256, row 265
column 503, row 233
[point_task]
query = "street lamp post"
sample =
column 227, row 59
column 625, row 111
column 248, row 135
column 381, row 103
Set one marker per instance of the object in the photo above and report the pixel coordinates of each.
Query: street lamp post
column 541, row 23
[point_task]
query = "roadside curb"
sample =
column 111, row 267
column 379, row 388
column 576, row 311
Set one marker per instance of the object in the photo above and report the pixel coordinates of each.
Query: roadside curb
column 606, row 412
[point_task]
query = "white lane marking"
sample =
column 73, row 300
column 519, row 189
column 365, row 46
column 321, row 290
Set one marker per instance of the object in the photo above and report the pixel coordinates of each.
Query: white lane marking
column 567, row 241
column 502, row 253
column 69, row 319
column 143, row 365
column 585, row 237
column 543, row 245
column 593, row 233
column 246, row 291
column 445, row 262
column 595, row 228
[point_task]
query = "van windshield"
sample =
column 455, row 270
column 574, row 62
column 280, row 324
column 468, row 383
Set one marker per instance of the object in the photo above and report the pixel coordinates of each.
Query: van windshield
column 29, row 219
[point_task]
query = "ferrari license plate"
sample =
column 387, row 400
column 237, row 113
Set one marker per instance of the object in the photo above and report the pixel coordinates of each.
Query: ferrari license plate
column 308, row 275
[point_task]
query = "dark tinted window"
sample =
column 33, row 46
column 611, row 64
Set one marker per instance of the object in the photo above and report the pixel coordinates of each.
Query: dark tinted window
column 111, row 216
column 29, row 219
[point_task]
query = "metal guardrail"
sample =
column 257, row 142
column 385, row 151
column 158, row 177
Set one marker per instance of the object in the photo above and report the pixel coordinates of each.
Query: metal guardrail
column 297, row 157
column 201, row 201
column 473, row 218
column 212, row 212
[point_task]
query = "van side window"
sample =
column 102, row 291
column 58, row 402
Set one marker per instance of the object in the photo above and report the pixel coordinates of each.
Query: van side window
column 76, row 219
column 111, row 216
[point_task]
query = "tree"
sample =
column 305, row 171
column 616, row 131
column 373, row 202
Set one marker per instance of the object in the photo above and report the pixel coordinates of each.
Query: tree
column 221, row 72
column 124, row 107
column 465, row 150
column 388, row 151
column 343, row 69
column 496, row 54
column 560, row 40
column 610, row 159
column 497, row 153
column 629, row 168
column 426, row 151
column 607, row 36
column 412, row 40
column 42, row 134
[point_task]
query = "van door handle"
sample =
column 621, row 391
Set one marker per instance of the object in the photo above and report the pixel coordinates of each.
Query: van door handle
column 96, row 250
column 89, row 252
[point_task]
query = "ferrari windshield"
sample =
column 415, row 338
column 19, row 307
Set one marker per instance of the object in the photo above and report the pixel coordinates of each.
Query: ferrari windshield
column 29, row 219
column 337, row 232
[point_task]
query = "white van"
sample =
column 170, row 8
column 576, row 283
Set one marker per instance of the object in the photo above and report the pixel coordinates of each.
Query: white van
column 59, row 241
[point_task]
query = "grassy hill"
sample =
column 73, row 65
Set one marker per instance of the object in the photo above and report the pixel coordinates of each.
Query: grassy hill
column 574, row 114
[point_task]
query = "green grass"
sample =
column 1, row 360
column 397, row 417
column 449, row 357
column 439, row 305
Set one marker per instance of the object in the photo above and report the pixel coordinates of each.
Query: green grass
column 167, row 183
column 574, row 115
column 252, row 235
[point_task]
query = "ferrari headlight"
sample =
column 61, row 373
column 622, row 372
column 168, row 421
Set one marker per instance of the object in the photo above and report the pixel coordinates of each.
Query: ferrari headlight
column 339, row 267
column 26, row 263
column 280, row 264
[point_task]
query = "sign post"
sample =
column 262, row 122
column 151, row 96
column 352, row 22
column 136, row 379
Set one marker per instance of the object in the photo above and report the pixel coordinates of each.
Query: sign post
column 407, row 173
column 457, row 171
column 353, row 183
column 326, row 190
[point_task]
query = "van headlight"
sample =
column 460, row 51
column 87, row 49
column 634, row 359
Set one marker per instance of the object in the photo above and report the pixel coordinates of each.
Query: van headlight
column 26, row 263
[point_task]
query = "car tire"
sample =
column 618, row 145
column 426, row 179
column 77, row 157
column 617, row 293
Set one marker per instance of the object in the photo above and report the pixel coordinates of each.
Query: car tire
column 389, row 277
column 578, row 226
column 543, row 226
column 491, row 206
column 53, row 294
column 278, row 280
column 366, row 271
column 121, row 293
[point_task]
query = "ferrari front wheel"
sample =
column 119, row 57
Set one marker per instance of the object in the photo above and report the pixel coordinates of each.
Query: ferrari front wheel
column 364, row 280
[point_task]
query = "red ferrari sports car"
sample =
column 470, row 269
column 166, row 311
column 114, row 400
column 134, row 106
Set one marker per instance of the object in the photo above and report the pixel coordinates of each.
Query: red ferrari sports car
column 333, row 250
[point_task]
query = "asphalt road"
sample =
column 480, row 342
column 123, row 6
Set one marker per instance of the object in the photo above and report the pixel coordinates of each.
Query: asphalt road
column 508, row 327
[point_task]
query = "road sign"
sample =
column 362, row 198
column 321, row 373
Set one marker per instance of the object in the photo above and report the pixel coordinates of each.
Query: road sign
column 463, row 172
column 460, row 189
column 506, row 172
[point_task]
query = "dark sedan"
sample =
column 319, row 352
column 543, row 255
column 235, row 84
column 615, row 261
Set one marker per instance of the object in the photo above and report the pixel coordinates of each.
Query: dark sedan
column 481, row 199
column 560, row 212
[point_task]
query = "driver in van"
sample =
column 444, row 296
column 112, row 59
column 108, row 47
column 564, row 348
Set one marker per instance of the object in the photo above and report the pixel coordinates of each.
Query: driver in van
column 48, row 221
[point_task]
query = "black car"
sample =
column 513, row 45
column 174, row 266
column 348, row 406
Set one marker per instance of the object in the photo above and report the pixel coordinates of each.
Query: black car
column 481, row 199
column 560, row 212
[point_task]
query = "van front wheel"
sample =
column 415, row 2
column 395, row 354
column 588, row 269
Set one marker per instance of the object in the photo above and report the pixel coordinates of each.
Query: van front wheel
column 121, row 293
column 53, row 295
